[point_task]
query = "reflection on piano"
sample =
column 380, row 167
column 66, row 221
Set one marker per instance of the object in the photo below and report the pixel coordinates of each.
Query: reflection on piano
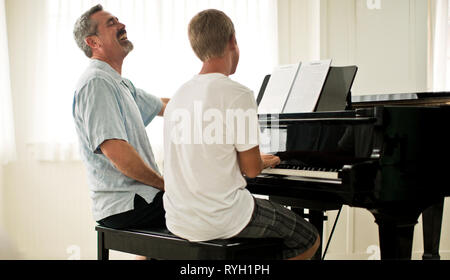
column 384, row 155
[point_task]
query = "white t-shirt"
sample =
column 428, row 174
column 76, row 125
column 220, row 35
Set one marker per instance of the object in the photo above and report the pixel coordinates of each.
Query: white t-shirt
column 206, row 123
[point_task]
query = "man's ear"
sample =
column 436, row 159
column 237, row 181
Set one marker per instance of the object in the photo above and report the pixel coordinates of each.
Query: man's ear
column 92, row 42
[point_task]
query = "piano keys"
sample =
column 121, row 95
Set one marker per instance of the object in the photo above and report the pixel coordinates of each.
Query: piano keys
column 294, row 171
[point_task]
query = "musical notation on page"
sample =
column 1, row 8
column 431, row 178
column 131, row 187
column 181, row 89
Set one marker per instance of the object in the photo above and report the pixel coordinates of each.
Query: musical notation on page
column 294, row 88
column 278, row 89
column 307, row 87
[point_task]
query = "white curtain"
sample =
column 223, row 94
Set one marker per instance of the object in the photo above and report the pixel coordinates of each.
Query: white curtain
column 7, row 138
column 161, row 61
column 439, row 74
column 299, row 30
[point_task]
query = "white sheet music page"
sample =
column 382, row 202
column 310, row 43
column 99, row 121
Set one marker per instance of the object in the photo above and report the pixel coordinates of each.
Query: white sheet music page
column 277, row 89
column 307, row 87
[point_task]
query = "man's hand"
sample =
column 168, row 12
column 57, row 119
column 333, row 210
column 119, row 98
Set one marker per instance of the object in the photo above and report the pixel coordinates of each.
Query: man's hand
column 126, row 159
column 164, row 102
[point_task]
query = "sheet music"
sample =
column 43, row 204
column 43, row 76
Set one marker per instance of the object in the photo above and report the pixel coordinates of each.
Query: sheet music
column 307, row 87
column 278, row 89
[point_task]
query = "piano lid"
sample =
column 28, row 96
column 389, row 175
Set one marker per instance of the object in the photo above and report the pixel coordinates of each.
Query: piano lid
column 414, row 98
column 384, row 97
column 348, row 117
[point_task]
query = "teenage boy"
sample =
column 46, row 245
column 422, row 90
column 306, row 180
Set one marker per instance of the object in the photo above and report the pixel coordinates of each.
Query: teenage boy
column 211, row 143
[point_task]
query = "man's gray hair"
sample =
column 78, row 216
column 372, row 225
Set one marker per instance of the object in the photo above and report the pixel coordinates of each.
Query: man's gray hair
column 85, row 27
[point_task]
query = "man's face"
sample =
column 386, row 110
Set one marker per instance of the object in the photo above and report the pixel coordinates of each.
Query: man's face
column 112, row 35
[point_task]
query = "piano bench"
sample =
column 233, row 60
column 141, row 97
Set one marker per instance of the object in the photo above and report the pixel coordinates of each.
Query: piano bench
column 162, row 245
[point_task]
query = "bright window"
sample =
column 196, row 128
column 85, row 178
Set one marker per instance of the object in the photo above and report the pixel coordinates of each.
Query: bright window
column 161, row 61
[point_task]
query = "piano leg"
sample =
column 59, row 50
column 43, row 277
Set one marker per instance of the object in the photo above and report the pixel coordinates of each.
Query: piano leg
column 396, row 231
column 316, row 218
column 432, row 223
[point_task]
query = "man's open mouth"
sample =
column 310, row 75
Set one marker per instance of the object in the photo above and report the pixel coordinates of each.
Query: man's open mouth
column 122, row 36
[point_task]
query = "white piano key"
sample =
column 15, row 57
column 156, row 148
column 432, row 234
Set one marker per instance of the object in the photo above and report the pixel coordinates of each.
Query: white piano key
column 302, row 173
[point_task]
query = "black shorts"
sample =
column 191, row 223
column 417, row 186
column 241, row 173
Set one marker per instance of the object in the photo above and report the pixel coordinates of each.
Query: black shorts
column 143, row 216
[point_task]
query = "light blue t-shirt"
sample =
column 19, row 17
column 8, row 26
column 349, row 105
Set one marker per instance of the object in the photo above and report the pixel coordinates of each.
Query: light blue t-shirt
column 107, row 106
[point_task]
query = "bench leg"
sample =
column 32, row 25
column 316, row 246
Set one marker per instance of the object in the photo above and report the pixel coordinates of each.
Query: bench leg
column 102, row 253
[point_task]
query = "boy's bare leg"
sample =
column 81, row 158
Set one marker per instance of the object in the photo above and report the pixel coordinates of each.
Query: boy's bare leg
column 308, row 254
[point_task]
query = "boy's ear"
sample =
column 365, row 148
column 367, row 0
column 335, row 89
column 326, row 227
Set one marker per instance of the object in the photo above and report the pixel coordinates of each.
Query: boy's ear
column 233, row 42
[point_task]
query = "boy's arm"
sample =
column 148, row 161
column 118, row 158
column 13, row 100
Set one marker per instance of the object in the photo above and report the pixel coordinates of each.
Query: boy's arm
column 252, row 162
column 126, row 159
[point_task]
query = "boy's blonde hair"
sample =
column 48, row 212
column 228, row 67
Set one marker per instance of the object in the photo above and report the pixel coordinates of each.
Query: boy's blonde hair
column 209, row 33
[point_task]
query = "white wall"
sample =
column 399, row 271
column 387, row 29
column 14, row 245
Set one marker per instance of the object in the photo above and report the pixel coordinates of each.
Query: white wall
column 389, row 45
column 2, row 205
column 8, row 250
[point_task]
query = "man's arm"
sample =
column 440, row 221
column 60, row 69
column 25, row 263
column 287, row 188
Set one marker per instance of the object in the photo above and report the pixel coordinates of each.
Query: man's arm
column 126, row 159
column 252, row 162
column 164, row 102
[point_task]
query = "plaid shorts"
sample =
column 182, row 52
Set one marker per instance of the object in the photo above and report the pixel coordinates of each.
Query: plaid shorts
column 272, row 220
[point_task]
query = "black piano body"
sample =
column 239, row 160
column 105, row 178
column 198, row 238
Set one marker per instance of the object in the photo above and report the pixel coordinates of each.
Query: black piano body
column 386, row 154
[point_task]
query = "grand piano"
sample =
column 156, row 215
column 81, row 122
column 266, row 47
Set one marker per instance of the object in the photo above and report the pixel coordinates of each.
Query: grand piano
column 385, row 153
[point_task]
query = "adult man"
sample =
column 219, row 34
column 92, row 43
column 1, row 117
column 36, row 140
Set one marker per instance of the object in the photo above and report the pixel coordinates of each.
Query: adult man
column 205, row 194
column 110, row 116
